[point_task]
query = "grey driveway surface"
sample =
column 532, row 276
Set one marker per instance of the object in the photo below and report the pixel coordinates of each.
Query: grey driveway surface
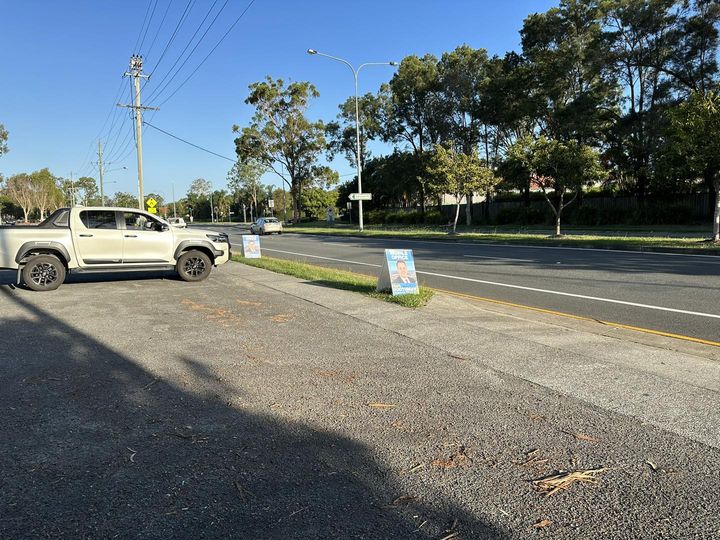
column 153, row 408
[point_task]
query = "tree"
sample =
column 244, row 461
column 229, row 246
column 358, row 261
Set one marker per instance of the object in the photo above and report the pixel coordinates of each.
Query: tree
column 342, row 135
column 19, row 189
column 83, row 190
column 244, row 182
column 696, row 138
column 413, row 110
column 280, row 135
column 3, row 140
column 459, row 174
column 561, row 167
column 316, row 201
column 124, row 200
column 639, row 39
column 198, row 198
column 574, row 95
column 48, row 195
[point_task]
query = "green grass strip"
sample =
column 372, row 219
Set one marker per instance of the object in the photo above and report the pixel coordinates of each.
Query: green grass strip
column 693, row 241
column 337, row 279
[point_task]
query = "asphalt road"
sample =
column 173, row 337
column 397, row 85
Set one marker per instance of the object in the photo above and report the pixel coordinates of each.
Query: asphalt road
column 671, row 293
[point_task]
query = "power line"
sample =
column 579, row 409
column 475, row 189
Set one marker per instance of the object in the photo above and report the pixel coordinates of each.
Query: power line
column 147, row 11
column 157, row 32
column 211, row 51
column 185, row 12
column 158, row 90
column 148, row 25
column 188, row 142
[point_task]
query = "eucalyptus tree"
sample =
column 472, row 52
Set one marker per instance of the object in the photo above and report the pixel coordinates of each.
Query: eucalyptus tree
column 281, row 136
column 342, row 136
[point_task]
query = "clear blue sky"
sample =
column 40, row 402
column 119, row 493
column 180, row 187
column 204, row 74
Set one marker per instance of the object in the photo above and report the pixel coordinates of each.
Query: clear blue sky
column 63, row 62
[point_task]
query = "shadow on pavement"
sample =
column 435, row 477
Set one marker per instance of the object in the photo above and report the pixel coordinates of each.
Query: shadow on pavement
column 96, row 446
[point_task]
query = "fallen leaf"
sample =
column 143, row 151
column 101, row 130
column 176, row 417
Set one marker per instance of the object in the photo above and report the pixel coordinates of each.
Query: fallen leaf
column 541, row 524
column 582, row 437
column 403, row 499
column 381, row 405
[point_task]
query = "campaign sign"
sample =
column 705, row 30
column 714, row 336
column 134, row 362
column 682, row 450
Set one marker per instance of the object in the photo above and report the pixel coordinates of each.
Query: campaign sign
column 398, row 273
column 251, row 246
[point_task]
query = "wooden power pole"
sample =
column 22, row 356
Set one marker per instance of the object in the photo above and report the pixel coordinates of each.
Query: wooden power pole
column 136, row 65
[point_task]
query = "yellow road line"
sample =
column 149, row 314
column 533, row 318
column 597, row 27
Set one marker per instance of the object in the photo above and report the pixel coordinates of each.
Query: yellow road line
column 581, row 318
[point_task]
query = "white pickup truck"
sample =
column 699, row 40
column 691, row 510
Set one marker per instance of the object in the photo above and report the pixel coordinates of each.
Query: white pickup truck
column 100, row 239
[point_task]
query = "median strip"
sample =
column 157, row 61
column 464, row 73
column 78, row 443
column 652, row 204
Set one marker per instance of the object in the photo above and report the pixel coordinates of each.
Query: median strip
column 337, row 279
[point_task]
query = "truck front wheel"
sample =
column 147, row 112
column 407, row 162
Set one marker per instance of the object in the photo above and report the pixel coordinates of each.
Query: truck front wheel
column 43, row 273
column 193, row 265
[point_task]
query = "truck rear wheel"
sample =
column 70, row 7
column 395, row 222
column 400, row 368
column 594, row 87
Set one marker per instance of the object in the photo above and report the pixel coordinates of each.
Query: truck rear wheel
column 193, row 265
column 43, row 273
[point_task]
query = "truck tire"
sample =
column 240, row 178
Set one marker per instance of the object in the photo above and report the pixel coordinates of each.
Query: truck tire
column 43, row 273
column 193, row 265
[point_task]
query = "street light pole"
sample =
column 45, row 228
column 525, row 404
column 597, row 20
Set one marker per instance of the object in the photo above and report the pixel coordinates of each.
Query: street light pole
column 355, row 72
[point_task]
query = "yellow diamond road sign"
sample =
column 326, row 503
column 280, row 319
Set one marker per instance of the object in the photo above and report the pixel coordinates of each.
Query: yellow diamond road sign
column 152, row 210
column 152, row 203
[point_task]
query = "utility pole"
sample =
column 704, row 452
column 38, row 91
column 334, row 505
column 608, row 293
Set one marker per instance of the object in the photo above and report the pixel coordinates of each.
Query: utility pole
column 173, row 193
column 72, row 190
column 136, row 65
column 100, row 171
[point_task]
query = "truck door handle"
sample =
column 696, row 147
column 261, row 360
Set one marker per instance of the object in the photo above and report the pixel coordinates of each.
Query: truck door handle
column 86, row 235
column 131, row 236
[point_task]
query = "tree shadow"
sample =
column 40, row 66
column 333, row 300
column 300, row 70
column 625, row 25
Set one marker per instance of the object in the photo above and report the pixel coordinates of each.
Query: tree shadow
column 96, row 445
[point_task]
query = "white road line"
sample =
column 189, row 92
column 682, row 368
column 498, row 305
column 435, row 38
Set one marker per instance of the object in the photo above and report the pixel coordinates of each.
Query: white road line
column 499, row 258
column 638, row 253
column 521, row 287
column 319, row 257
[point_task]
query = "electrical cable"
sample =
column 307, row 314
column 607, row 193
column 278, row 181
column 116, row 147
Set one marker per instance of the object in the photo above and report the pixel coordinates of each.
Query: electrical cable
column 157, row 32
column 158, row 90
column 188, row 142
column 211, row 51
column 185, row 12
column 147, row 11
column 152, row 14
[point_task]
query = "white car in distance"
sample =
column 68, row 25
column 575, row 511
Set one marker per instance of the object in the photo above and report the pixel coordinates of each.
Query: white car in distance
column 177, row 222
column 266, row 225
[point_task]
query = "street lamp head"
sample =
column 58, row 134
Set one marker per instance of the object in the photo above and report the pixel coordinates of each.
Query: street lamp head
column 393, row 63
column 311, row 51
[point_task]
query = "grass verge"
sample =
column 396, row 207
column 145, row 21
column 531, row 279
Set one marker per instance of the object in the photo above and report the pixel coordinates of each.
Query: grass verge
column 337, row 279
column 693, row 240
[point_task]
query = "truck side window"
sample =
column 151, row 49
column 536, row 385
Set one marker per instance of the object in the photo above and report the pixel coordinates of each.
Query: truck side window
column 138, row 222
column 98, row 219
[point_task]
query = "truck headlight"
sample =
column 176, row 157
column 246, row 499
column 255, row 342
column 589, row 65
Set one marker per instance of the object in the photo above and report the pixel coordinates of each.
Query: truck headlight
column 217, row 238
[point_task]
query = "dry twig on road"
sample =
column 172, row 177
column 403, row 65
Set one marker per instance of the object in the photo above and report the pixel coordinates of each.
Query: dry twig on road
column 564, row 480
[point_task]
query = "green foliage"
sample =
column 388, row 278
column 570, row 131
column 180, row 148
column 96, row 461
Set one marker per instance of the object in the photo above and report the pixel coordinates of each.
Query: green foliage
column 3, row 140
column 124, row 200
column 280, row 136
column 696, row 138
column 316, row 201
column 341, row 134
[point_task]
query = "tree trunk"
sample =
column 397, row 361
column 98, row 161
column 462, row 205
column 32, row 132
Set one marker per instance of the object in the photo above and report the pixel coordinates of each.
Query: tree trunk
column 457, row 214
column 25, row 211
column 526, row 196
column 559, row 213
column 468, row 209
column 716, row 218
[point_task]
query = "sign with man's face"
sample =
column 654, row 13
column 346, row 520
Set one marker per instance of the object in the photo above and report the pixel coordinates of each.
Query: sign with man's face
column 251, row 246
column 399, row 270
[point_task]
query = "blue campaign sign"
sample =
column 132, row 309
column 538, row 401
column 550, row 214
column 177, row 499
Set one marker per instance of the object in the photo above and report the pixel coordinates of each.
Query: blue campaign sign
column 401, row 269
column 251, row 246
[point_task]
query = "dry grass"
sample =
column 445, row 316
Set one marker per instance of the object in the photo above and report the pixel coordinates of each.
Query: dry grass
column 562, row 481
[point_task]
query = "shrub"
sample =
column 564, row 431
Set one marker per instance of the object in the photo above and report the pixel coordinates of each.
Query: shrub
column 520, row 215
